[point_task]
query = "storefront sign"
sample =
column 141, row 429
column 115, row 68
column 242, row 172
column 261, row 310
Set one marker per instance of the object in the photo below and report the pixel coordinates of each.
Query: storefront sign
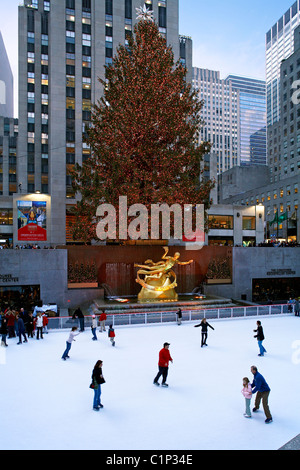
column 281, row 272
column 6, row 278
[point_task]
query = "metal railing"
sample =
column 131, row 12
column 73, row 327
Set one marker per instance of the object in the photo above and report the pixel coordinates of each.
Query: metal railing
column 147, row 318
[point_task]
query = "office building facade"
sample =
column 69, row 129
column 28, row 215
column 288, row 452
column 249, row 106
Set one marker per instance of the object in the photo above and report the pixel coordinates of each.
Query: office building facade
column 63, row 48
column 220, row 114
column 279, row 46
column 252, row 119
column 6, row 83
column 280, row 193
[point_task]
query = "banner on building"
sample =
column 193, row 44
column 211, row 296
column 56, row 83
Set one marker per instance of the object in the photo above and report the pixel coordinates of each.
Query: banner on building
column 32, row 221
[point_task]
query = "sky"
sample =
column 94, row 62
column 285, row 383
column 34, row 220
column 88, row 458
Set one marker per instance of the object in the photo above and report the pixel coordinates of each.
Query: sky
column 228, row 36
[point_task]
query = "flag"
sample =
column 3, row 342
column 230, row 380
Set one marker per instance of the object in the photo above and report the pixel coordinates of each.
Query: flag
column 283, row 217
column 275, row 220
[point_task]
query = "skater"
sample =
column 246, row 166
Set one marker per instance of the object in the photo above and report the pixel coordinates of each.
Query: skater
column 3, row 330
column 297, row 308
column 102, row 320
column 97, row 380
column 262, row 390
column 204, row 324
column 163, row 365
column 260, row 337
column 111, row 335
column 39, row 326
column 69, row 342
column 21, row 330
column 30, row 325
column 247, row 392
column 94, row 327
column 45, row 323
column 179, row 316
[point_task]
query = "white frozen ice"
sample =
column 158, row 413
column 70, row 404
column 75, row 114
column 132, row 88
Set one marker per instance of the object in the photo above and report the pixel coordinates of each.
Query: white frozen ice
column 46, row 403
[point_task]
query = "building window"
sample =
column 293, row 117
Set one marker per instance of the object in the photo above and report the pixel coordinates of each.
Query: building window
column 249, row 223
column 6, row 217
column 220, row 222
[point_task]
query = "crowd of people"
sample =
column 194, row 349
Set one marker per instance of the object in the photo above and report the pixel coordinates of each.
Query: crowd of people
column 22, row 324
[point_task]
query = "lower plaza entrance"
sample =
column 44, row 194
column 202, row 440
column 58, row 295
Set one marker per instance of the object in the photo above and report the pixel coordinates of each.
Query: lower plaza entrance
column 19, row 296
column 275, row 289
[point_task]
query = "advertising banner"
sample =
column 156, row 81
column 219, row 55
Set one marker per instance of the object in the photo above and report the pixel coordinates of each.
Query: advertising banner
column 32, row 221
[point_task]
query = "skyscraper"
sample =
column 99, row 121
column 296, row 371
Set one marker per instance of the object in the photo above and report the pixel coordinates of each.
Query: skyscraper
column 252, row 117
column 63, row 48
column 6, row 83
column 279, row 46
column 220, row 114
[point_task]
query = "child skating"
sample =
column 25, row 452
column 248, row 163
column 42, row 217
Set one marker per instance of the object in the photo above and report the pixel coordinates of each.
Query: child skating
column 111, row 335
column 247, row 392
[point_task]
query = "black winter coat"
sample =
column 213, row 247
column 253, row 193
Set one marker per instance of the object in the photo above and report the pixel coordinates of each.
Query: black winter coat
column 3, row 328
column 260, row 333
column 204, row 326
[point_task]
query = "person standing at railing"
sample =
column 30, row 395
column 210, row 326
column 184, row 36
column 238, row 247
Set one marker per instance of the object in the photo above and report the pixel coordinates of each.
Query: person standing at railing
column 179, row 316
column 260, row 337
column 102, row 320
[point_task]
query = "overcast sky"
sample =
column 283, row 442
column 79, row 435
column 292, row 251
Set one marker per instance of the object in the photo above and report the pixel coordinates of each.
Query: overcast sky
column 228, row 35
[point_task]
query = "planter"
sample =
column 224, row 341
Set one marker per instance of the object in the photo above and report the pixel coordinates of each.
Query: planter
column 82, row 285
column 219, row 281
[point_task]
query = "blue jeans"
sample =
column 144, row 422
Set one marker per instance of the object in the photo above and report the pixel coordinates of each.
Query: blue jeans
column 67, row 350
column 97, row 394
column 261, row 348
column 94, row 333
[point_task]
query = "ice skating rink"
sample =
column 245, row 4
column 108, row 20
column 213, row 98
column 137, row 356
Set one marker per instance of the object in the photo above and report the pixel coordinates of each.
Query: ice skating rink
column 46, row 403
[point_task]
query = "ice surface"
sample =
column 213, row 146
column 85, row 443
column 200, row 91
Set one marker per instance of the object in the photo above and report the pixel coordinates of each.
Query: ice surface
column 46, row 403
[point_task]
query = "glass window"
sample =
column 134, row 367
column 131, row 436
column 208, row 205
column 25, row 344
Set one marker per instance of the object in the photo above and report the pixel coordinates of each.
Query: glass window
column 248, row 223
column 6, row 217
column 220, row 222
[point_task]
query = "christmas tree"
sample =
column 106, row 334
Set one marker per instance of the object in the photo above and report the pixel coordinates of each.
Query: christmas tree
column 144, row 134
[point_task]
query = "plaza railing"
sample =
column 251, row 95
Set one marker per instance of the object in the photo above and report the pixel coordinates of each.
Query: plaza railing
column 150, row 318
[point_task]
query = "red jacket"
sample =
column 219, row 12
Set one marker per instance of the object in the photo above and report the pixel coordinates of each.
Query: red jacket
column 164, row 358
column 103, row 317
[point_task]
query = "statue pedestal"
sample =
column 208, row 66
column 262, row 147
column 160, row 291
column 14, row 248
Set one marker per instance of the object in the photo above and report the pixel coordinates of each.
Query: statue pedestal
column 161, row 290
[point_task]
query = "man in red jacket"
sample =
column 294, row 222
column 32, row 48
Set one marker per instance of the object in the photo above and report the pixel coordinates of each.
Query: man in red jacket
column 163, row 365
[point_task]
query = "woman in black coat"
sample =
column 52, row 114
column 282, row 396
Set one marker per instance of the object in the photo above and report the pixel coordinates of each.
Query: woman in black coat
column 204, row 324
column 97, row 380
column 3, row 331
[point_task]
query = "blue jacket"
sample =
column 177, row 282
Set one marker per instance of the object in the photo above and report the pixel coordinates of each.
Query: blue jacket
column 259, row 384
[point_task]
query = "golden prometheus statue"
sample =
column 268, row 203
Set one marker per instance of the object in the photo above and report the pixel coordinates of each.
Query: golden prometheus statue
column 160, row 280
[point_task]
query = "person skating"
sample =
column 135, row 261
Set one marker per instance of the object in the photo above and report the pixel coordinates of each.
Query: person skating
column 21, row 330
column 39, row 326
column 262, row 390
column 97, row 380
column 112, row 335
column 94, row 327
column 3, row 331
column 163, row 365
column 69, row 342
column 260, row 337
column 204, row 324
column 247, row 392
